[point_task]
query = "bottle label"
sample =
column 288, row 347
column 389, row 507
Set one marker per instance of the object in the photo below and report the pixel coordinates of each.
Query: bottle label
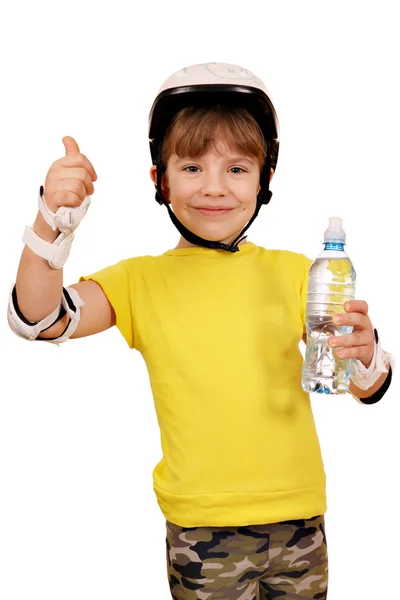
column 334, row 246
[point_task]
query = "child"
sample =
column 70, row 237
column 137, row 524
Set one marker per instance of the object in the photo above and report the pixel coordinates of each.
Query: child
column 218, row 321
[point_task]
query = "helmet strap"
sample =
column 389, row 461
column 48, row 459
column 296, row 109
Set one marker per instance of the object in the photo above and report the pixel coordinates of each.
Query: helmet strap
column 264, row 196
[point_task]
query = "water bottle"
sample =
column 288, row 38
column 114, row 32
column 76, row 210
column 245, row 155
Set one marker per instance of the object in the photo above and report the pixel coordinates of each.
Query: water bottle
column 331, row 283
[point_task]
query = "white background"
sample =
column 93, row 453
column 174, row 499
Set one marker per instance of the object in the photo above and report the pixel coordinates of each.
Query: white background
column 78, row 432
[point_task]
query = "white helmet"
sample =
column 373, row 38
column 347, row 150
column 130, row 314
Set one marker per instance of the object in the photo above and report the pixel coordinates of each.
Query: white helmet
column 210, row 84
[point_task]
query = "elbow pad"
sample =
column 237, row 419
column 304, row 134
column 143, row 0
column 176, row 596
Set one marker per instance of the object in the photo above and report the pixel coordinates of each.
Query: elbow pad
column 70, row 304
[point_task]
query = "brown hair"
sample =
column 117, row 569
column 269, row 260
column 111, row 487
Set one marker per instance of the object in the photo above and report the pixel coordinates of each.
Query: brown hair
column 193, row 129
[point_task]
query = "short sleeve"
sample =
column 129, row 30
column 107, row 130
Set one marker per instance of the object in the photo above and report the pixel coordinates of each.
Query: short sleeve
column 118, row 287
column 307, row 262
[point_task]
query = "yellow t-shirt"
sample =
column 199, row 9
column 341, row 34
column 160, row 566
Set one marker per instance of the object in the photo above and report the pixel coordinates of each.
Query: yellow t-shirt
column 219, row 333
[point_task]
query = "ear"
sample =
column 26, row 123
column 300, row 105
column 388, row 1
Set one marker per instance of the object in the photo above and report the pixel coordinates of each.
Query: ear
column 164, row 186
column 153, row 174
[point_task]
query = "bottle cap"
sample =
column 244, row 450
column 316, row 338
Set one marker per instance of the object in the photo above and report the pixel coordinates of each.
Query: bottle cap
column 335, row 231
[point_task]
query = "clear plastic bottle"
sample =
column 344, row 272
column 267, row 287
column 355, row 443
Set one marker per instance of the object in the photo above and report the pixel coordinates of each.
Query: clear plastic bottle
column 331, row 283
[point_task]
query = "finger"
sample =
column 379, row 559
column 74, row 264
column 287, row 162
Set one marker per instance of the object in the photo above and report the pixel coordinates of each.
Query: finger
column 359, row 338
column 355, row 319
column 82, row 175
column 356, row 306
column 78, row 160
column 69, row 192
column 71, row 147
column 360, row 352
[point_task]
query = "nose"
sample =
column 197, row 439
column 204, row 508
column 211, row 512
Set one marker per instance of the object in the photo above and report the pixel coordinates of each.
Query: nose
column 214, row 185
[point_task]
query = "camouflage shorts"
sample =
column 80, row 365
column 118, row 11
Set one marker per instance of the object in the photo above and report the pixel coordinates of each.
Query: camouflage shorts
column 287, row 560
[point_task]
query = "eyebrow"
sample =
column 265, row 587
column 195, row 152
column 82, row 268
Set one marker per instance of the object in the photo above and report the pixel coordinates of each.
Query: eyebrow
column 240, row 158
column 229, row 159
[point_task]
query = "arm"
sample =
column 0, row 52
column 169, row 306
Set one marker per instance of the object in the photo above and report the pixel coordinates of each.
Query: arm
column 96, row 314
column 38, row 286
column 374, row 393
column 39, row 306
column 39, row 289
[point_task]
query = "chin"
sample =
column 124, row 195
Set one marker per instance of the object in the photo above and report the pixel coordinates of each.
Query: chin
column 216, row 229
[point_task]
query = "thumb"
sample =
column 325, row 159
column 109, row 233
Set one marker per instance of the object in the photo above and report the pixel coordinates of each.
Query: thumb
column 71, row 147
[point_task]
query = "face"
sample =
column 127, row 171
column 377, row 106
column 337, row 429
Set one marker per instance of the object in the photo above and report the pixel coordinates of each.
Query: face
column 213, row 195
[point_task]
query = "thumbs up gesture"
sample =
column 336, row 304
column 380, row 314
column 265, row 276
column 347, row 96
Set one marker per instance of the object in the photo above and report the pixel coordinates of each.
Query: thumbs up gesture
column 69, row 179
column 68, row 186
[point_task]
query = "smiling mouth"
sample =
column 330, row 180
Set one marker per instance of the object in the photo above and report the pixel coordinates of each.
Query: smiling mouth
column 214, row 211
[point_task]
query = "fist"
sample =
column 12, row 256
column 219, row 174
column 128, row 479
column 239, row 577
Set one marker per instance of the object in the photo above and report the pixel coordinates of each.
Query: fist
column 69, row 179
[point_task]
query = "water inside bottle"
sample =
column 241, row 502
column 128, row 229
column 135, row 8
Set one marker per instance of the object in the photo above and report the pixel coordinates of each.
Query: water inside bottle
column 331, row 283
column 323, row 370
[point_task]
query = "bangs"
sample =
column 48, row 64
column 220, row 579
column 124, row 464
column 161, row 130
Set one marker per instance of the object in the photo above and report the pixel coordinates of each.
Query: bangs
column 193, row 130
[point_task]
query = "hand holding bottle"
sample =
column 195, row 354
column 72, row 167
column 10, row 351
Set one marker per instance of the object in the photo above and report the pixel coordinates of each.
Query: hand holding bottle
column 361, row 342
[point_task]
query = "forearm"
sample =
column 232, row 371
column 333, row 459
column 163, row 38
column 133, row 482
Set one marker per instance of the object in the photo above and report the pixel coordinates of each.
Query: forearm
column 38, row 286
column 359, row 393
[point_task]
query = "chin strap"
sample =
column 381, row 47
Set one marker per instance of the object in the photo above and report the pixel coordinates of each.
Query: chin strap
column 264, row 196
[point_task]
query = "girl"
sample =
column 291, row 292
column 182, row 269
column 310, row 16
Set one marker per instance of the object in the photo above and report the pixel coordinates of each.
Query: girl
column 218, row 321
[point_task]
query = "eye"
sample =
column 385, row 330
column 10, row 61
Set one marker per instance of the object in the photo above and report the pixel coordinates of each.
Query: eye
column 237, row 170
column 191, row 169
